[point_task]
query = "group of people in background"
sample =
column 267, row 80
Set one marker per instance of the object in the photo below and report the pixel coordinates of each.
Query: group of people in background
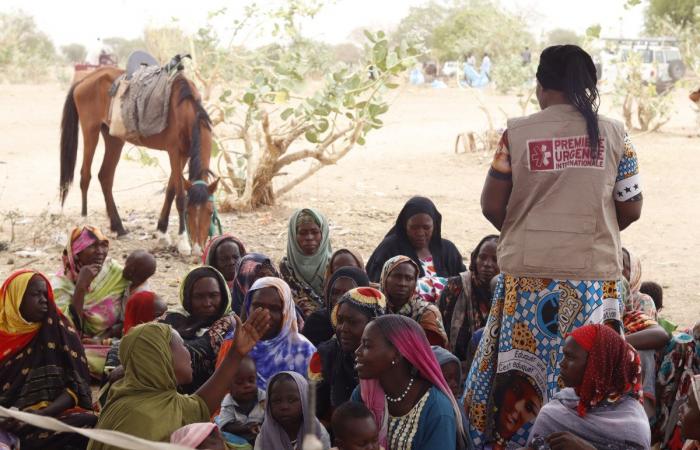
column 468, row 73
column 545, row 337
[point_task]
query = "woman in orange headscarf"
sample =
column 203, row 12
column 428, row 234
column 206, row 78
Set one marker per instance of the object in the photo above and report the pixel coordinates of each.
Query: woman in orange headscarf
column 43, row 368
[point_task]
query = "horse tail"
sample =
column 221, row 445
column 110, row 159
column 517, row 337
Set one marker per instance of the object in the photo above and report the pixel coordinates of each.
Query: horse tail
column 69, row 143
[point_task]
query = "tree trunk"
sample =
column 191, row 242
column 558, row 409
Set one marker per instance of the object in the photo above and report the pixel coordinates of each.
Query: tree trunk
column 263, row 194
column 627, row 112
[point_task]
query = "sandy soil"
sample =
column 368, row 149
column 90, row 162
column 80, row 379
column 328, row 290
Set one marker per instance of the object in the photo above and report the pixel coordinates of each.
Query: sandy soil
column 412, row 154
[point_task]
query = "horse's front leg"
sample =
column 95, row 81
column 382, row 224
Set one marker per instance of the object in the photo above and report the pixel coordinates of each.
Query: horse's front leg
column 183, row 240
column 162, row 229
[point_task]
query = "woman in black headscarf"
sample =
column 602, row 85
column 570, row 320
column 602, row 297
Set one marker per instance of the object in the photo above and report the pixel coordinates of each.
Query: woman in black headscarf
column 418, row 235
column 318, row 327
column 203, row 320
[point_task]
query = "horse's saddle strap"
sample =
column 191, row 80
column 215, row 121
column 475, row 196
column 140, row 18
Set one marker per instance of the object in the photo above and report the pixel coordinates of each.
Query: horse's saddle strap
column 115, row 85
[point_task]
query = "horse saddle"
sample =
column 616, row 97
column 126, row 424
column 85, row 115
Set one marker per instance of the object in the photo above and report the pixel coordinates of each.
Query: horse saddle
column 141, row 96
column 137, row 60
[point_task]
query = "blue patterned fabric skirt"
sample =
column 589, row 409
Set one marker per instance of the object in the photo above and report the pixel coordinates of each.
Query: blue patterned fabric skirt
column 516, row 367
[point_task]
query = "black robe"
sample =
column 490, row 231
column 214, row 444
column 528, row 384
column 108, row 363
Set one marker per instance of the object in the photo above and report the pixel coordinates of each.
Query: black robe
column 446, row 258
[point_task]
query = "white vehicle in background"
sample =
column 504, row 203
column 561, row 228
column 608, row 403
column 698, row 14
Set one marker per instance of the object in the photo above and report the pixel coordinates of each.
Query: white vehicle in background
column 660, row 58
column 450, row 68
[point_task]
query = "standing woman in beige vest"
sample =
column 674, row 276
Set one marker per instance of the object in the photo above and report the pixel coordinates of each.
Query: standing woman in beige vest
column 563, row 183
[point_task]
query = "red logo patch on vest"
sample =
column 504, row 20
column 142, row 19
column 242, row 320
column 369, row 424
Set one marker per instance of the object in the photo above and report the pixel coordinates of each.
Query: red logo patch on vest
column 563, row 153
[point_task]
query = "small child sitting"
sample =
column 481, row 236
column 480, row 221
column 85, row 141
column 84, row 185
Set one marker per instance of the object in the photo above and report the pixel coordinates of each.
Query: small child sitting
column 143, row 307
column 451, row 369
column 139, row 266
column 283, row 428
column 243, row 408
column 656, row 292
column 354, row 427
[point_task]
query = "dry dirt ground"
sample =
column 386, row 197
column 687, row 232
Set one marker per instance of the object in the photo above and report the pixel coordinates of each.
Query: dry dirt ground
column 362, row 194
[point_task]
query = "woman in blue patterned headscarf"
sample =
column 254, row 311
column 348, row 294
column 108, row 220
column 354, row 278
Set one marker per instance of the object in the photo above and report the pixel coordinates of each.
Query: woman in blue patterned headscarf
column 283, row 347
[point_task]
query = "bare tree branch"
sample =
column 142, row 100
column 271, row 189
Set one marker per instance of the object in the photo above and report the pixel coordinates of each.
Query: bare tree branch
column 294, row 134
column 317, row 153
column 326, row 161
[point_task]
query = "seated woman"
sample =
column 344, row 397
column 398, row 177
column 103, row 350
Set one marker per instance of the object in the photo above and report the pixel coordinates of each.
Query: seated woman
column 600, row 408
column 251, row 267
column 89, row 291
column 146, row 403
column 418, row 235
column 308, row 253
column 679, row 363
column 202, row 322
column 333, row 365
column 466, row 301
column 282, row 347
column 633, row 299
column 318, row 327
column 690, row 421
column 398, row 283
column 647, row 337
column 402, row 384
column 286, row 415
column 43, row 368
column 342, row 258
column 223, row 253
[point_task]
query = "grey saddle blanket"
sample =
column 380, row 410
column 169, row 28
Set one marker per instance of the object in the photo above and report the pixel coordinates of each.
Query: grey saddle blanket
column 146, row 101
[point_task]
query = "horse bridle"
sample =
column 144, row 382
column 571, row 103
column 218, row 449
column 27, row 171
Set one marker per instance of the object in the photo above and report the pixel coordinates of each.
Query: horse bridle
column 215, row 224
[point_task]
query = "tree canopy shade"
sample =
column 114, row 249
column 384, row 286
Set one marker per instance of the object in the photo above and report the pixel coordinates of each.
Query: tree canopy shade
column 74, row 53
column 562, row 36
column 680, row 12
column 25, row 52
column 450, row 31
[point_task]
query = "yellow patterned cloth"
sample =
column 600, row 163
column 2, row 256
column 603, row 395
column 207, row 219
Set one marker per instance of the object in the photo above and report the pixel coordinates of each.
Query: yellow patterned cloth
column 11, row 321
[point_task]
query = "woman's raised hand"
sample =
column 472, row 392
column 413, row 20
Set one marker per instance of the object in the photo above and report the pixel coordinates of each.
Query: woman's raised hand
column 86, row 275
column 249, row 333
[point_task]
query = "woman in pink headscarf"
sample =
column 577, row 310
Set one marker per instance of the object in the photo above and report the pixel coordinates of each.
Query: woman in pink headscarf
column 89, row 289
column 402, row 384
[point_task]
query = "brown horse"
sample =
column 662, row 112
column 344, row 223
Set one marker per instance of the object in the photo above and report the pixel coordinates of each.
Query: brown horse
column 187, row 135
column 695, row 96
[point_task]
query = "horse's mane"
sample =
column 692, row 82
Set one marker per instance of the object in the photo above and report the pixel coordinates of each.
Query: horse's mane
column 201, row 118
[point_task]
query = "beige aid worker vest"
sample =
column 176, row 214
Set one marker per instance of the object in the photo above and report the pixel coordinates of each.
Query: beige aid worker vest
column 560, row 220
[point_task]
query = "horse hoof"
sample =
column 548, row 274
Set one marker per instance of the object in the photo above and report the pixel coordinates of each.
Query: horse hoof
column 184, row 248
column 121, row 233
column 183, row 245
column 163, row 240
column 197, row 250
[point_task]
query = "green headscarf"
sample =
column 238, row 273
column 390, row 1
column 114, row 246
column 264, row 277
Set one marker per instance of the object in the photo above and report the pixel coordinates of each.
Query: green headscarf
column 310, row 269
column 145, row 403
